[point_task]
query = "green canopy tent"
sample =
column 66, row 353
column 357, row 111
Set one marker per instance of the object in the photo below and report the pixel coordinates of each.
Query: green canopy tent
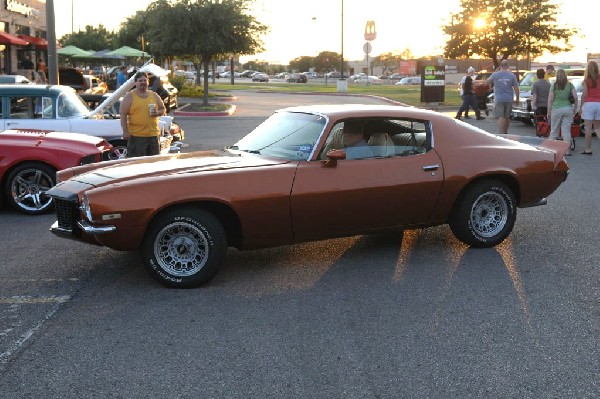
column 72, row 51
column 127, row 51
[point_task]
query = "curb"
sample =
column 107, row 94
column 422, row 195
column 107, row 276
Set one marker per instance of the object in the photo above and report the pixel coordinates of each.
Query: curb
column 228, row 112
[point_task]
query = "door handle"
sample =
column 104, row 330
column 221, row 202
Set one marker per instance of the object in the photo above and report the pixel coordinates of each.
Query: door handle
column 429, row 168
column 11, row 123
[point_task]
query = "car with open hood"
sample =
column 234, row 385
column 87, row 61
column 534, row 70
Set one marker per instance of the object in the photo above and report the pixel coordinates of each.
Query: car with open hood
column 29, row 160
column 60, row 108
column 295, row 179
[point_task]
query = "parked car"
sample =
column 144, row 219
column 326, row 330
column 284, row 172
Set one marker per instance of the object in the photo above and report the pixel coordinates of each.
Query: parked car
column 368, row 80
column 409, row 80
column 333, row 75
column 227, row 74
column 72, row 77
column 11, row 79
column 297, row 78
column 183, row 211
column 311, row 75
column 260, row 77
column 247, row 73
column 29, row 160
column 523, row 110
column 95, row 85
column 59, row 108
column 397, row 76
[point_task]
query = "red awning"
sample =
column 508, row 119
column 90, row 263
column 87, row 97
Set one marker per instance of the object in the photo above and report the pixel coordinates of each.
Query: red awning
column 7, row 38
column 38, row 42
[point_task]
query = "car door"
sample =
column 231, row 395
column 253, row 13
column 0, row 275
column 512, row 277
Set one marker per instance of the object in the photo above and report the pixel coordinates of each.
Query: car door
column 360, row 195
column 32, row 112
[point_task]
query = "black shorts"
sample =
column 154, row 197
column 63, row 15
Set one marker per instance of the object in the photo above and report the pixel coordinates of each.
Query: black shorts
column 141, row 146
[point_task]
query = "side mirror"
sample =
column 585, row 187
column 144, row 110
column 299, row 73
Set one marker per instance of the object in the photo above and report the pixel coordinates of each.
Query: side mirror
column 332, row 157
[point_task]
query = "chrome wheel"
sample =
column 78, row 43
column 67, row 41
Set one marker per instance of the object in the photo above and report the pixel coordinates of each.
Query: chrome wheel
column 489, row 214
column 181, row 249
column 28, row 186
column 484, row 214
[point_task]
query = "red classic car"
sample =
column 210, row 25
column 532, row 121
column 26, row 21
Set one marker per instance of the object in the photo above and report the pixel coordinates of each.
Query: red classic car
column 29, row 160
column 294, row 179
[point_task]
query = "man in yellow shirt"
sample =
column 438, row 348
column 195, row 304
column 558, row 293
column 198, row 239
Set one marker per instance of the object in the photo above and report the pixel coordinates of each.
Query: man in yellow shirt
column 140, row 110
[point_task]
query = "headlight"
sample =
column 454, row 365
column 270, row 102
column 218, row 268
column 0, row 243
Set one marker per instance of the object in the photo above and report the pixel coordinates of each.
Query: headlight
column 85, row 207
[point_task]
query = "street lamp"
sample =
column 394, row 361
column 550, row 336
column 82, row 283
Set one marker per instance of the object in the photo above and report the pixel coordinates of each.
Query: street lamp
column 342, row 52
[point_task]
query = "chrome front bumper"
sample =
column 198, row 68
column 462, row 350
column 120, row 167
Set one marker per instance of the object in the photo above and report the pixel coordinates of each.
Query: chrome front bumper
column 84, row 226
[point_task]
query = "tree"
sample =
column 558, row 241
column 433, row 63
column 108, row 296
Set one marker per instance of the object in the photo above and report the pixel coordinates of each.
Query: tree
column 203, row 30
column 326, row 61
column 89, row 39
column 499, row 29
column 302, row 64
column 132, row 30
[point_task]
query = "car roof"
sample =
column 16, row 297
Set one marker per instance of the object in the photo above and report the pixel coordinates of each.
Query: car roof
column 32, row 89
column 335, row 111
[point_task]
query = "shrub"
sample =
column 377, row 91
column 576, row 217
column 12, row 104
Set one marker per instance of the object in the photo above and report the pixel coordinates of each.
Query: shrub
column 178, row 81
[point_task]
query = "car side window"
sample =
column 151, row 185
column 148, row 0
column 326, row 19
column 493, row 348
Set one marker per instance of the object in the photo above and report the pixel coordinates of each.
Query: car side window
column 21, row 107
column 410, row 137
column 385, row 137
column 47, row 109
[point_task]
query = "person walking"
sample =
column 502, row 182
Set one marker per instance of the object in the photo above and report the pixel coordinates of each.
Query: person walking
column 560, row 108
column 540, row 90
column 469, row 98
column 504, row 83
column 462, row 93
column 590, row 104
column 121, row 76
column 41, row 66
column 140, row 110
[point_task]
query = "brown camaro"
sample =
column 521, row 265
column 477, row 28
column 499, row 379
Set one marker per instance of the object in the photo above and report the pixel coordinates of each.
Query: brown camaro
column 308, row 173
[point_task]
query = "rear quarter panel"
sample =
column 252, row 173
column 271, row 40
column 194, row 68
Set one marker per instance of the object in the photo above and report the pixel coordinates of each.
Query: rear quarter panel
column 468, row 155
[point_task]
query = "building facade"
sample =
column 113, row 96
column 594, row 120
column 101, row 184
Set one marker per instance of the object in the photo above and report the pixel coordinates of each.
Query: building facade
column 22, row 36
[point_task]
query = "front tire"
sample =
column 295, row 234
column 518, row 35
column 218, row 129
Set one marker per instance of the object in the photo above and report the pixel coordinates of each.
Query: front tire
column 484, row 215
column 184, row 248
column 26, row 187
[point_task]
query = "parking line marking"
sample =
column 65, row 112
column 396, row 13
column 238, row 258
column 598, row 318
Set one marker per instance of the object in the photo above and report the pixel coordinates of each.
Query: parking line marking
column 32, row 300
column 57, row 300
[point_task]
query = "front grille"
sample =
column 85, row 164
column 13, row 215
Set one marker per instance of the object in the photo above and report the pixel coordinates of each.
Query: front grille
column 67, row 214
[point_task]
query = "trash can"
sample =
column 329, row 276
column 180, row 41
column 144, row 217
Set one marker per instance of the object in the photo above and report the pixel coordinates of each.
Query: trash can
column 342, row 85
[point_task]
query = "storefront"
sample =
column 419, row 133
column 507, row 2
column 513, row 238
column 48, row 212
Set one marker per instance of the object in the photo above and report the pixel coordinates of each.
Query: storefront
column 22, row 36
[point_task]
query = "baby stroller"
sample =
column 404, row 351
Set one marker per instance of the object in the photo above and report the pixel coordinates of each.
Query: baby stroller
column 542, row 128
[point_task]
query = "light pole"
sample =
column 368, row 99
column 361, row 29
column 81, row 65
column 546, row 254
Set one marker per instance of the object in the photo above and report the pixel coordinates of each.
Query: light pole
column 342, row 52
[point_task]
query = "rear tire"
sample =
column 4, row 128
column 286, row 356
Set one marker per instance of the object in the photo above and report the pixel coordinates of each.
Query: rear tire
column 184, row 247
column 484, row 215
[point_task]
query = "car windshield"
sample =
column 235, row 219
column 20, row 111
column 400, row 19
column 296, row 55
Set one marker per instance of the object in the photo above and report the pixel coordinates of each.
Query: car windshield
column 71, row 105
column 287, row 135
column 528, row 79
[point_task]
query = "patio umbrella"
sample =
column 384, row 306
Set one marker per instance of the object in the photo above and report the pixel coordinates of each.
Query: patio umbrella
column 127, row 51
column 71, row 51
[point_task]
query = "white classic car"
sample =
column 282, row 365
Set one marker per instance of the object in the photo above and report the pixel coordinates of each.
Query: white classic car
column 60, row 108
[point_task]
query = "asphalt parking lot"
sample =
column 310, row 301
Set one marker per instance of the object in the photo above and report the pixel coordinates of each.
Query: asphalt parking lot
column 412, row 314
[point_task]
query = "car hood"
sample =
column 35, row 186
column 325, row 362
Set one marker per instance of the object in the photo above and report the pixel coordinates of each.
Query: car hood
column 46, row 138
column 125, row 87
column 169, row 165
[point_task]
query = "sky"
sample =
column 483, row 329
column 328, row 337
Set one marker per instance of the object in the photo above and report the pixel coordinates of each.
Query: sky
column 307, row 27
